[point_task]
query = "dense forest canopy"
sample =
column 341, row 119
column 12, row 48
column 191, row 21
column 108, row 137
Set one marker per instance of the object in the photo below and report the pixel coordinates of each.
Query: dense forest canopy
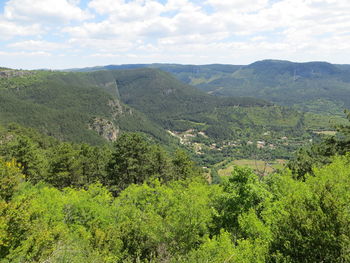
column 133, row 202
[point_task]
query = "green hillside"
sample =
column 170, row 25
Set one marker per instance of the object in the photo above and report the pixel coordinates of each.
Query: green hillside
column 166, row 100
column 177, row 106
column 317, row 87
column 70, row 106
column 314, row 86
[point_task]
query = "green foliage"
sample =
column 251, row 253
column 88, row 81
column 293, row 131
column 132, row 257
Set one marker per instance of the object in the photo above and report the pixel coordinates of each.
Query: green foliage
column 10, row 178
column 28, row 156
column 93, row 162
column 134, row 161
column 183, row 166
column 157, row 222
column 144, row 223
column 245, row 218
column 42, row 158
column 216, row 250
column 43, row 223
column 65, row 166
column 130, row 162
column 67, row 202
column 241, row 192
column 310, row 221
column 320, row 153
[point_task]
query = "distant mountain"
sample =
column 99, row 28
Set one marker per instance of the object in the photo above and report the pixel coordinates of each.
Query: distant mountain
column 185, row 73
column 318, row 87
column 315, row 86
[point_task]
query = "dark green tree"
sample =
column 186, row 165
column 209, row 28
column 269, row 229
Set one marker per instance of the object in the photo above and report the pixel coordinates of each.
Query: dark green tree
column 183, row 166
column 65, row 166
column 130, row 162
column 94, row 162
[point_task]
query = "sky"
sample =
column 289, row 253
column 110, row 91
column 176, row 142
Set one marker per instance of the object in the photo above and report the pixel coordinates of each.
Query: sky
column 59, row 34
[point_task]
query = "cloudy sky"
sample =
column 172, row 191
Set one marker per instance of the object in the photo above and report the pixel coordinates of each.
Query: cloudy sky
column 77, row 33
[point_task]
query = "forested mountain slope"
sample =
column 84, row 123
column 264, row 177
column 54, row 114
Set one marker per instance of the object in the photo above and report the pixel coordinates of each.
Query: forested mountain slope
column 314, row 86
column 318, row 87
column 70, row 106
column 167, row 100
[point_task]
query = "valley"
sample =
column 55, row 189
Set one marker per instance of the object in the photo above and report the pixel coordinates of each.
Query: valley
column 97, row 106
column 314, row 95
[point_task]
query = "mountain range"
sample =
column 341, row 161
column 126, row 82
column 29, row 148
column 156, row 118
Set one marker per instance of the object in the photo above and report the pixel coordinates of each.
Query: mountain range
column 318, row 87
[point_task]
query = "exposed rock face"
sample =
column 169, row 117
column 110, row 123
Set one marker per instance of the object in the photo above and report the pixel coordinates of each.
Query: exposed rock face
column 110, row 84
column 14, row 73
column 104, row 128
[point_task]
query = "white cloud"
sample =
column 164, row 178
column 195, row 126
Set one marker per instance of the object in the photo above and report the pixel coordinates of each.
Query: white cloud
column 25, row 54
column 9, row 29
column 226, row 31
column 44, row 11
column 147, row 20
column 104, row 45
column 127, row 11
column 37, row 45
column 181, row 26
column 237, row 5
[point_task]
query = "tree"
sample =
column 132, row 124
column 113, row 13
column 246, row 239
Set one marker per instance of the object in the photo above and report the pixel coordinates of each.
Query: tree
column 65, row 166
column 130, row 162
column 28, row 155
column 242, row 191
column 183, row 166
column 310, row 220
column 10, row 178
column 160, row 164
column 94, row 162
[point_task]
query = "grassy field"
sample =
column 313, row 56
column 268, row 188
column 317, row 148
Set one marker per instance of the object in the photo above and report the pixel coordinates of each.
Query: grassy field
column 257, row 165
column 331, row 133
